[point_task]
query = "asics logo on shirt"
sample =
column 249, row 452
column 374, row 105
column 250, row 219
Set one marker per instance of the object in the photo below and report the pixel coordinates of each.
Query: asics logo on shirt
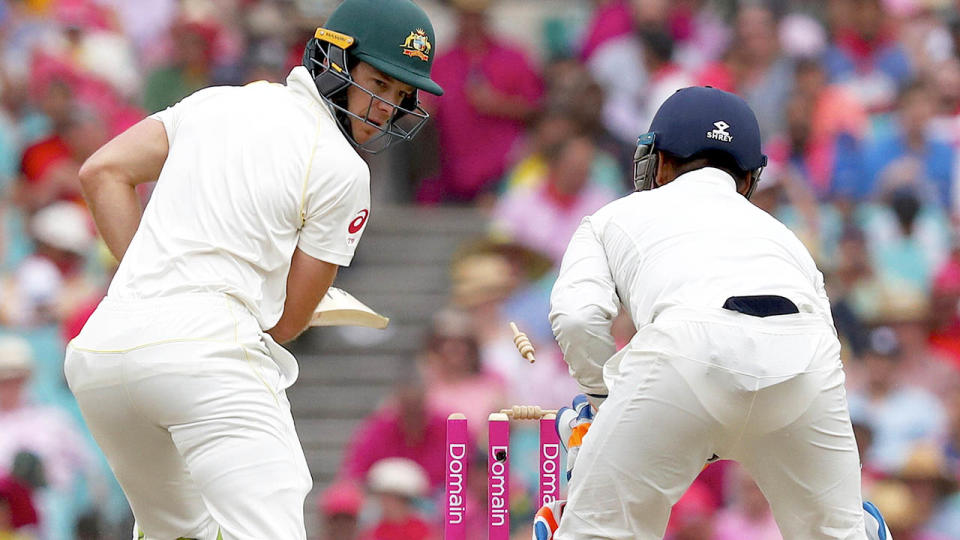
column 358, row 221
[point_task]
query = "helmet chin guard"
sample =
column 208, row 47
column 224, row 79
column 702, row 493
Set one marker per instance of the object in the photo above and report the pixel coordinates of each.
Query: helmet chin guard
column 327, row 59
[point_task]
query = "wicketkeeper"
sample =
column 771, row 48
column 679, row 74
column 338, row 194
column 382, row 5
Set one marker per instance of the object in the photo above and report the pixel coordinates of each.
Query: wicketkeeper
column 735, row 355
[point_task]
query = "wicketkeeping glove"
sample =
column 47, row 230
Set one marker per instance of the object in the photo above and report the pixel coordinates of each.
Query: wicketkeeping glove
column 572, row 424
column 547, row 520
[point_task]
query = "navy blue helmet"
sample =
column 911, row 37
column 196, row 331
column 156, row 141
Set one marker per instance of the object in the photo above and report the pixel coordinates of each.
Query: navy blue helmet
column 700, row 119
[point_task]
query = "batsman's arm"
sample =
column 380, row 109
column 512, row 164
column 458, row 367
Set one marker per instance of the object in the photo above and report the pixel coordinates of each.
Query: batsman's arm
column 109, row 178
column 307, row 282
column 583, row 304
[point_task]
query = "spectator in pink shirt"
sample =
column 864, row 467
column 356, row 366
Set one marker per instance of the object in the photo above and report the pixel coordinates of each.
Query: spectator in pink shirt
column 610, row 19
column 544, row 216
column 748, row 517
column 452, row 372
column 401, row 427
column 490, row 91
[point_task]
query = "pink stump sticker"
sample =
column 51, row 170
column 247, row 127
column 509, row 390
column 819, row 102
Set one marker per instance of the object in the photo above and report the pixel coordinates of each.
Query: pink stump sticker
column 549, row 461
column 454, row 501
column 498, row 477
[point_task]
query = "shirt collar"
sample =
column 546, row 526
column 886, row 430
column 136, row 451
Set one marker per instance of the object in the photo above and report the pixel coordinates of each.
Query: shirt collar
column 709, row 175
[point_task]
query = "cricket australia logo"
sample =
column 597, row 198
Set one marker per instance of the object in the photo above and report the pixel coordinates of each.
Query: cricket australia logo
column 417, row 45
column 720, row 133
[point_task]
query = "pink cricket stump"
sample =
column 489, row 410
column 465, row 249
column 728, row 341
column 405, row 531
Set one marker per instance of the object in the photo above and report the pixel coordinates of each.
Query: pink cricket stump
column 549, row 461
column 454, row 502
column 498, row 477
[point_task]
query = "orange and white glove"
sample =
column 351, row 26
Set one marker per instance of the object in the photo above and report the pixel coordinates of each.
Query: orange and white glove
column 547, row 520
column 572, row 425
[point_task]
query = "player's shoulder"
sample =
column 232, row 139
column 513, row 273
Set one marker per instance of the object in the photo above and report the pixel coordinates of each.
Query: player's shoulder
column 628, row 204
column 617, row 209
column 210, row 93
column 337, row 161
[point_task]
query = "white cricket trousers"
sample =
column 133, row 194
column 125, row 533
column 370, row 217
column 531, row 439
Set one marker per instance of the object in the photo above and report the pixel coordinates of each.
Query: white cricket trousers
column 190, row 410
column 766, row 392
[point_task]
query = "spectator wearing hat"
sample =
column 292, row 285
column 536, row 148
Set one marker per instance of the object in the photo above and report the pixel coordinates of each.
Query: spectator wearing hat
column 926, row 475
column 49, row 283
column 483, row 285
column 490, row 91
column 896, row 503
column 339, row 508
column 396, row 484
column 906, row 310
column 899, row 415
column 40, row 436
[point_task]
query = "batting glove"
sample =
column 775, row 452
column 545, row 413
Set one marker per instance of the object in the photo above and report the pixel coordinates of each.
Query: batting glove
column 547, row 520
column 572, row 424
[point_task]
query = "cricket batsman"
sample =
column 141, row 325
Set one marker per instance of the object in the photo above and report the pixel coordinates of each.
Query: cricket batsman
column 735, row 355
column 261, row 196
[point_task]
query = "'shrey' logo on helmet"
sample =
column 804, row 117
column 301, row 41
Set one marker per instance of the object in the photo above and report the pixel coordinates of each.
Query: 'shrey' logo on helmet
column 417, row 45
column 720, row 133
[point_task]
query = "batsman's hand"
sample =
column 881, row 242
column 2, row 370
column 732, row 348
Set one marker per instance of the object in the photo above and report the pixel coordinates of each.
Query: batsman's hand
column 572, row 424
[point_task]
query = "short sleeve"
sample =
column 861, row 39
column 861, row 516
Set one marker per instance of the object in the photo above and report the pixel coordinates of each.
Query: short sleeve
column 336, row 214
column 170, row 117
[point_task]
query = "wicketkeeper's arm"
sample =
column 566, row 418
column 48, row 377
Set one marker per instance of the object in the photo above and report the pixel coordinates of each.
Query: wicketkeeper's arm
column 583, row 305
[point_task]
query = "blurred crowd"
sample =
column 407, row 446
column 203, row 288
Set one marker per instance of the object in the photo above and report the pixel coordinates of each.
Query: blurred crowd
column 859, row 104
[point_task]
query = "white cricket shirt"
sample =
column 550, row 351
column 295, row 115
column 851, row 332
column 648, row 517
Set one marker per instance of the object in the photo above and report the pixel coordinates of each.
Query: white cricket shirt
column 252, row 173
column 694, row 243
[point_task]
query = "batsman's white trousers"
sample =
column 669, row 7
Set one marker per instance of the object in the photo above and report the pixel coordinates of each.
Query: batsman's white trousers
column 766, row 392
column 182, row 395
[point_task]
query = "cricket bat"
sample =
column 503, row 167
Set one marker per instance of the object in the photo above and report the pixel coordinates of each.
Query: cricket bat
column 340, row 308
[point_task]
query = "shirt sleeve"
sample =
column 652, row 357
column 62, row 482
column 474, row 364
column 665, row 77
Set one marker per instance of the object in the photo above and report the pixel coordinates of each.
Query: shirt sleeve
column 335, row 216
column 170, row 117
column 583, row 304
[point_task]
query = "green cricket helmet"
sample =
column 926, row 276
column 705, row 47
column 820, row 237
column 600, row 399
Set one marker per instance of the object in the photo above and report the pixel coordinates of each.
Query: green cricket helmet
column 393, row 36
